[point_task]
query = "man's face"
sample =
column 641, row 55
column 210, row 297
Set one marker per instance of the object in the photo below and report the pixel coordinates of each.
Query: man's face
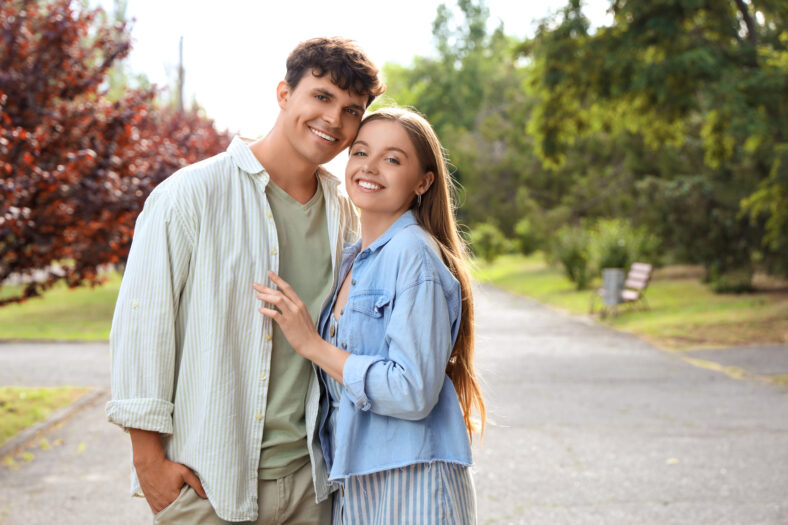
column 320, row 119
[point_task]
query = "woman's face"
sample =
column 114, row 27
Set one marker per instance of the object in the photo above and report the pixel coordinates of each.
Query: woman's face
column 383, row 174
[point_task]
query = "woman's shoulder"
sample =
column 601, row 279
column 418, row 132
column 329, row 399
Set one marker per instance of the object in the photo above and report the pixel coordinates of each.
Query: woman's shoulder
column 419, row 257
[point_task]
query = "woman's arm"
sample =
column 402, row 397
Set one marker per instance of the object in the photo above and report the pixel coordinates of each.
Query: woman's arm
column 407, row 383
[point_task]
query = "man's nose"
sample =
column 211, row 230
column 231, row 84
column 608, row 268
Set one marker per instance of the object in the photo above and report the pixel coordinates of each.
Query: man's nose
column 333, row 115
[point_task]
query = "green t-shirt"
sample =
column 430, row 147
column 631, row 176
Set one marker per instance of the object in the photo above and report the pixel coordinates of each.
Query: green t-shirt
column 305, row 263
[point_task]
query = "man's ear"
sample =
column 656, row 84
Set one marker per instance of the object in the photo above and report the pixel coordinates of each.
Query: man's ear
column 283, row 92
column 426, row 182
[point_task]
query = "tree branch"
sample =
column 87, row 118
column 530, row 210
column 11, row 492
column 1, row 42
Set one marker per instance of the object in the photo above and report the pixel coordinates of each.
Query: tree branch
column 752, row 36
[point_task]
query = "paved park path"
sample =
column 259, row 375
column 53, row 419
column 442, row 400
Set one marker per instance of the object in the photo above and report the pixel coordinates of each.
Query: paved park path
column 586, row 426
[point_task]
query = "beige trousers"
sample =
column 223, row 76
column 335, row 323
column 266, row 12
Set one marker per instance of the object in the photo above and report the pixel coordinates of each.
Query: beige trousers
column 285, row 501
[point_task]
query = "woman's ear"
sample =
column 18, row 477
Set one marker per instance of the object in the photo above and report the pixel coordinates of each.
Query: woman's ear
column 425, row 183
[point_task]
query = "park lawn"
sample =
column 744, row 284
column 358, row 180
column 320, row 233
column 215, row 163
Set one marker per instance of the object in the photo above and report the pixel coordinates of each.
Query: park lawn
column 62, row 314
column 21, row 407
column 684, row 313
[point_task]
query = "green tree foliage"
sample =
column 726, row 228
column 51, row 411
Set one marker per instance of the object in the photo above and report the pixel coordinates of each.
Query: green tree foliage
column 487, row 241
column 616, row 244
column 702, row 80
column 472, row 94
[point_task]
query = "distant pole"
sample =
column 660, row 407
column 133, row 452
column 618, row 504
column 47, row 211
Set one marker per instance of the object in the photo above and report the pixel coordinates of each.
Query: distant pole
column 181, row 74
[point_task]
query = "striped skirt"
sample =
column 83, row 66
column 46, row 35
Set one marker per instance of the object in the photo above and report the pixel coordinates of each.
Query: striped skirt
column 436, row 493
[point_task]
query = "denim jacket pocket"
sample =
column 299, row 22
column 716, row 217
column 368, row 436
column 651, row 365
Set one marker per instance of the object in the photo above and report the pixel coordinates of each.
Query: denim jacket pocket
column 371, row 304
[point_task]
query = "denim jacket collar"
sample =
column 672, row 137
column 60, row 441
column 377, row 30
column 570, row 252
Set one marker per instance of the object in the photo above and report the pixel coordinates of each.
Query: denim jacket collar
column 405, row 220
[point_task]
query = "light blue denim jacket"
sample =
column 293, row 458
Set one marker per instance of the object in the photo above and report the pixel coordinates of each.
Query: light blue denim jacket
column 398, row 406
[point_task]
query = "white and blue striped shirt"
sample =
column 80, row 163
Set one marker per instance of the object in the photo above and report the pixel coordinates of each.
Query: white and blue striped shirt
column 190, row 352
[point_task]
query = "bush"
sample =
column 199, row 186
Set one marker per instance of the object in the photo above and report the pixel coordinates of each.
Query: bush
column 732, row 281
column 526, row 238
column 487, row 241
column 616, row 244
column 571, row 248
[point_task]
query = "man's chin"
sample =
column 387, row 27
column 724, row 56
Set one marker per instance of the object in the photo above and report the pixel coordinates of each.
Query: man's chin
column 324, row 158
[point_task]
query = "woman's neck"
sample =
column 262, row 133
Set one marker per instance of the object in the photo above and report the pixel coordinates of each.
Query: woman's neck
column 373, row 225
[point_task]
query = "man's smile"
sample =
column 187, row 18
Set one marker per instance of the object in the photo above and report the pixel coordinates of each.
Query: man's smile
column 323, row 135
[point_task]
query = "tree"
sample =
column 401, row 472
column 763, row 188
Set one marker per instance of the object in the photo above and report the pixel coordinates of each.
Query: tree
column 76, row 165
column 708, row 73
column 471, row 94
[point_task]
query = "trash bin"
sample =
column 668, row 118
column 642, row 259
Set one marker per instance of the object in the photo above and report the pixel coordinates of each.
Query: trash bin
column 612, row 285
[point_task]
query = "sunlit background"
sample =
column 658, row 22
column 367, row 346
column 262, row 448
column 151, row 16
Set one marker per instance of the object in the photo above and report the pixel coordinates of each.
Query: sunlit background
column 234, row 54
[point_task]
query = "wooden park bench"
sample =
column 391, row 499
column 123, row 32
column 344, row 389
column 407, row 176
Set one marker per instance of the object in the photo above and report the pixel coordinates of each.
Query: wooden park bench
column 634, row 289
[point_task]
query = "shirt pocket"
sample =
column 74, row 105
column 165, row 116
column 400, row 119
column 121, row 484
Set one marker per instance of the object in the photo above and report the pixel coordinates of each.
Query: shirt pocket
column 370, row 313
column 372, row 304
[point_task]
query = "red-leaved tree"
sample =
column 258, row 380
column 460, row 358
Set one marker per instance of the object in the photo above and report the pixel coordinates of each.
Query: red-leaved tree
column 76, row 167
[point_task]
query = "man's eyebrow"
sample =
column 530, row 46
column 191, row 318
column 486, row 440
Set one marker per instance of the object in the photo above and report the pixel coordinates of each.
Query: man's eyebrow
column 325, row 92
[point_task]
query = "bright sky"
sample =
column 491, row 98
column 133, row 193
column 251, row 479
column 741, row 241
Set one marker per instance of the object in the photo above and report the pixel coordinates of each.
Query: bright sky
column 234, row 55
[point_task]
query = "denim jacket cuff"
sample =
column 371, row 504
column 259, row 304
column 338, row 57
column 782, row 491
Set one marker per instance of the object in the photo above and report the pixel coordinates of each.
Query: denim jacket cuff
column 354, row 376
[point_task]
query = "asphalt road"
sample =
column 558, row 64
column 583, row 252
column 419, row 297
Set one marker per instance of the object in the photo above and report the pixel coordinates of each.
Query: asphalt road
column 586, row 426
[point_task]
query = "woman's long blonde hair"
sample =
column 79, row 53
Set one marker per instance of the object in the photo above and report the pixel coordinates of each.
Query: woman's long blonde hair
column 436, row 215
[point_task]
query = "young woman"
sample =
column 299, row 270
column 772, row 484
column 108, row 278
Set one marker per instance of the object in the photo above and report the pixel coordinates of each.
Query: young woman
column 396, row 350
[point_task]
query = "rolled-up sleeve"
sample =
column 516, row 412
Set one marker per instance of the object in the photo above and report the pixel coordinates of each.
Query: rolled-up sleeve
column 406, row 382
column 143, row 336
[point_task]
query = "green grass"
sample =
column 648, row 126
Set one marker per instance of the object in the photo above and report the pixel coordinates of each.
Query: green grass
column 684, row 313
column 21, row 407
column 64, row 314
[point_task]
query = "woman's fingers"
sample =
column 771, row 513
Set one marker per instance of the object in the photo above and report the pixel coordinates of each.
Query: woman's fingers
column 279, row 300
column 284, row 286
column 273, row 314
column 285, row 297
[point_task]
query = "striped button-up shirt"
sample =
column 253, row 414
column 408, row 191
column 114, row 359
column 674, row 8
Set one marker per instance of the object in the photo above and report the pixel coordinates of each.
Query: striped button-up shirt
column 190, row 353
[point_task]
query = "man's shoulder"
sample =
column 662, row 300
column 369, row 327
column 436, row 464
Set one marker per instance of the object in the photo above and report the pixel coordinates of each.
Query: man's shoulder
column 205, row 172
column 189, row 188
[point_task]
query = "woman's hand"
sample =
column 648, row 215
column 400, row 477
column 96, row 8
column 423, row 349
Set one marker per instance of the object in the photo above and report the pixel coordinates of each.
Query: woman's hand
column 291, row 314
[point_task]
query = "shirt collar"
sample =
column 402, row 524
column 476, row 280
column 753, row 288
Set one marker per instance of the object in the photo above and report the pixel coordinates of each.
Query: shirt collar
column 243, row 157
column 245, row 160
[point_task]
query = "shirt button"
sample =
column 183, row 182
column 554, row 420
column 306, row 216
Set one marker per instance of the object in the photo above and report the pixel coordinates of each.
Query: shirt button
column 269, row 214
column 273, row 251
column 353, row 281
column 267, row 337
column 331, row 331
column 258, row 417
column 134, row 304
column 344, row 345
column 262, row 377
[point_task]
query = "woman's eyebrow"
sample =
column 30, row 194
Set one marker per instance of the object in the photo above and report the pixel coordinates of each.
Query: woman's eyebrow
column 388, row 148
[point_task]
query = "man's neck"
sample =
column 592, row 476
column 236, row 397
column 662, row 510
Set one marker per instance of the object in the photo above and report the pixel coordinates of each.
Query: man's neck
column 286, row 168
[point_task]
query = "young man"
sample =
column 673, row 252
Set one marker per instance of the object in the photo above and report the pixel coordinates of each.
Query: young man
column 221, row 411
